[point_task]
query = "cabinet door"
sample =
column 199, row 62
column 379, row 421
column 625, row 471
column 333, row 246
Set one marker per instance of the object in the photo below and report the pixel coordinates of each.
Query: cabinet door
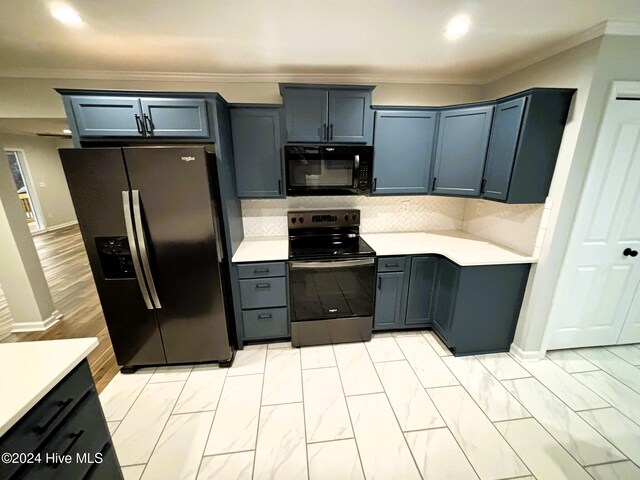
column 446, row 287
column 388, row 300
column 403, row 144
column 503, row 144
column 306, row 114
column 350, row 116
column 256, row 152
column 175, row 117
column 107, row 116
column 463, row 136
column 421, row 287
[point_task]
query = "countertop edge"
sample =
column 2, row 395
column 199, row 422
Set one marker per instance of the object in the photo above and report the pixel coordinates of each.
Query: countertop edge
column 81, row 355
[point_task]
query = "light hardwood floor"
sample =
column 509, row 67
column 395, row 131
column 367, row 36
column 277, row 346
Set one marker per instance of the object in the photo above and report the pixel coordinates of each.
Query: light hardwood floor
column 67, row 270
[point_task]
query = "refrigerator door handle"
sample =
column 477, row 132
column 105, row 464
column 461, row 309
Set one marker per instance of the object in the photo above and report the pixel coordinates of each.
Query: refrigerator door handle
column 142, row 243
column 126, row 206
column 216, row 232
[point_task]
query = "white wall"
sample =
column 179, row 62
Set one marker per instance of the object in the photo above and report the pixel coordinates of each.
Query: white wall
column 43, row 162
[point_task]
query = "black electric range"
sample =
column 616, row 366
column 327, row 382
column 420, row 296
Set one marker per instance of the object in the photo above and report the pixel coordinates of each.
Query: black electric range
column 331, row 278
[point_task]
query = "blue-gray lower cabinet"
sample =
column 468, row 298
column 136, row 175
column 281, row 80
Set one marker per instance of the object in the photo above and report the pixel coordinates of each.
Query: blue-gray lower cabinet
column 421, row 290
column 68, row 420
column 175, row 117
column 476, row 308
column 257, row 152
column 390, row 300
column 263, row 312
column 461, row 150
column 403, row 147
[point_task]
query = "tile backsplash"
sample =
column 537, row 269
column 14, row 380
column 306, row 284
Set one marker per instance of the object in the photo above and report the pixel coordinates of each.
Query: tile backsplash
column 378, row 214
column 514, row 226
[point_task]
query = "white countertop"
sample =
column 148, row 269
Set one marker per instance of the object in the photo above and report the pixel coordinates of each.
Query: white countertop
column 262, row 249
column 31, row 369
column 460, row 247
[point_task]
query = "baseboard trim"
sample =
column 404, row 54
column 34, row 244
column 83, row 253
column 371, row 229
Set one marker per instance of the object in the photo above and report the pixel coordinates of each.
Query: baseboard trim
column 62, row 225
column 38, row 326
column 526, row 356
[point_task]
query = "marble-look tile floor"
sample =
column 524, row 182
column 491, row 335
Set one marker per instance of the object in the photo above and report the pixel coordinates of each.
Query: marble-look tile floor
column 398, row 407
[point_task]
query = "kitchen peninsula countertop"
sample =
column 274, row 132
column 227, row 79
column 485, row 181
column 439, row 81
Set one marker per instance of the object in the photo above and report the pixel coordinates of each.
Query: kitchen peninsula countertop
column 460, row 247
column 31, row 369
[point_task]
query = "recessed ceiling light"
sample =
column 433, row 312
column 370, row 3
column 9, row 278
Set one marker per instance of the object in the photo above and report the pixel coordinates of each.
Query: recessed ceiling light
column 457, row 27
column 66, row 14
column 66, row 131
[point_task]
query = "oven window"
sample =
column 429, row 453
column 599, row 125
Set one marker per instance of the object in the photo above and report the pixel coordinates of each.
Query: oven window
column 328, row 292
column 305, row 172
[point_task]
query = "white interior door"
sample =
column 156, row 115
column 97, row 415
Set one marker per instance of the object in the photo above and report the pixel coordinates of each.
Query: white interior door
column 598, row 282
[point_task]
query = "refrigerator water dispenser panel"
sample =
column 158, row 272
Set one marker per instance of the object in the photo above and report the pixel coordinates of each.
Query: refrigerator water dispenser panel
column 115, row 257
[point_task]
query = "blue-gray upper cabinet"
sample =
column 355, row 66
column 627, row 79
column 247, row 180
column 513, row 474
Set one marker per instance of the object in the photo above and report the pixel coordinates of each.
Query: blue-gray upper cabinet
column 525, row 139
column 463, row 136
column 350, row 116
column 175, row 117
column 306, row 114
column 257, row 151
column 421, row 291
column 327, row 115
column 505, row 131
column 403, row 145
column 107, row 116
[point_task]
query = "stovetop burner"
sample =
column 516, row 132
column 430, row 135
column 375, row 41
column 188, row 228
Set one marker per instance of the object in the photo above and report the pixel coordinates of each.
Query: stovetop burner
column 326, row 234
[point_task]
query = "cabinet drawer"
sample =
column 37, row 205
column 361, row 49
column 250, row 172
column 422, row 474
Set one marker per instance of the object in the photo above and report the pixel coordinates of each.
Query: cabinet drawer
column 266, row 292
column 109, row 469
column 262, row 324
column 83, row 434
column 38, row 424
column 259, row 270
column 391, row 264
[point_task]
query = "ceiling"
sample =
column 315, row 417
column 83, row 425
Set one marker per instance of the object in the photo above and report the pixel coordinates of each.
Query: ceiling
column 400, row 39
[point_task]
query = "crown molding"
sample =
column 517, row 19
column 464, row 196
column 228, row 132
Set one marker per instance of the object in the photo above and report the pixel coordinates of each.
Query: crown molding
column 194, row 77
column 599, row 30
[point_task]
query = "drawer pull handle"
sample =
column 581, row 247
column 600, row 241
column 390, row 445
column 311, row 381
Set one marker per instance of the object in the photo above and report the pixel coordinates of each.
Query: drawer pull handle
column 391, row 265
column 263, row 285
column 264, row 316
column 74, row 437
column 260, row 270
column 61, row 405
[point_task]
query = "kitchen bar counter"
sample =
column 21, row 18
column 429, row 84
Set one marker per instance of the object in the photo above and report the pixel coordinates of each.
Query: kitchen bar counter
column 31, row 369
column 460, row 247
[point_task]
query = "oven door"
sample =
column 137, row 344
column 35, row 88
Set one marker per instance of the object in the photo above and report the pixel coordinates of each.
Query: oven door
column 322, row 170
column 331, row 301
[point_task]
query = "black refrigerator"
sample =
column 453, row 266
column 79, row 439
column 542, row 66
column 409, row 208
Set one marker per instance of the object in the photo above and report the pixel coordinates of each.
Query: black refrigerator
column 149, row 218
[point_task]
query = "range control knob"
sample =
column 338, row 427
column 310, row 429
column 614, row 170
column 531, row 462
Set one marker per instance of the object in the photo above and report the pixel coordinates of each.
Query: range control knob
column 346, row 217
column 301, row 219
column 355, row 217
column 293, row 220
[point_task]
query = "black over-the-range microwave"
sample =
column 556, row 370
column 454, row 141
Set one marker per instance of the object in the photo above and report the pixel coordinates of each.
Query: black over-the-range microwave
column 328, row 170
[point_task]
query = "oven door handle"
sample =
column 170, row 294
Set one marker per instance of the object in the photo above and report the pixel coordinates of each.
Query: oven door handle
column 356, row 171
column 300, row 265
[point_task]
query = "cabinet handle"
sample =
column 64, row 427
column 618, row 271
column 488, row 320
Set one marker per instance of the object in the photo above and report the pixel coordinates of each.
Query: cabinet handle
column 147, row 124
column 433, row 184
column 379, row 283
column 331, row 131
column 324, row 132
column 260, row 270
column 391, row 265
column 74, row 437
column 263, row 285
column 483, row 186
column 279, row 187
column 375, row 184
column 40, row 429
column 265, row 316
column 139, row 124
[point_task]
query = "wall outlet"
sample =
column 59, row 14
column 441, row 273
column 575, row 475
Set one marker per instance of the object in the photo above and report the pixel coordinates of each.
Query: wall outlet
column 405, row 205
column 42, row 185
